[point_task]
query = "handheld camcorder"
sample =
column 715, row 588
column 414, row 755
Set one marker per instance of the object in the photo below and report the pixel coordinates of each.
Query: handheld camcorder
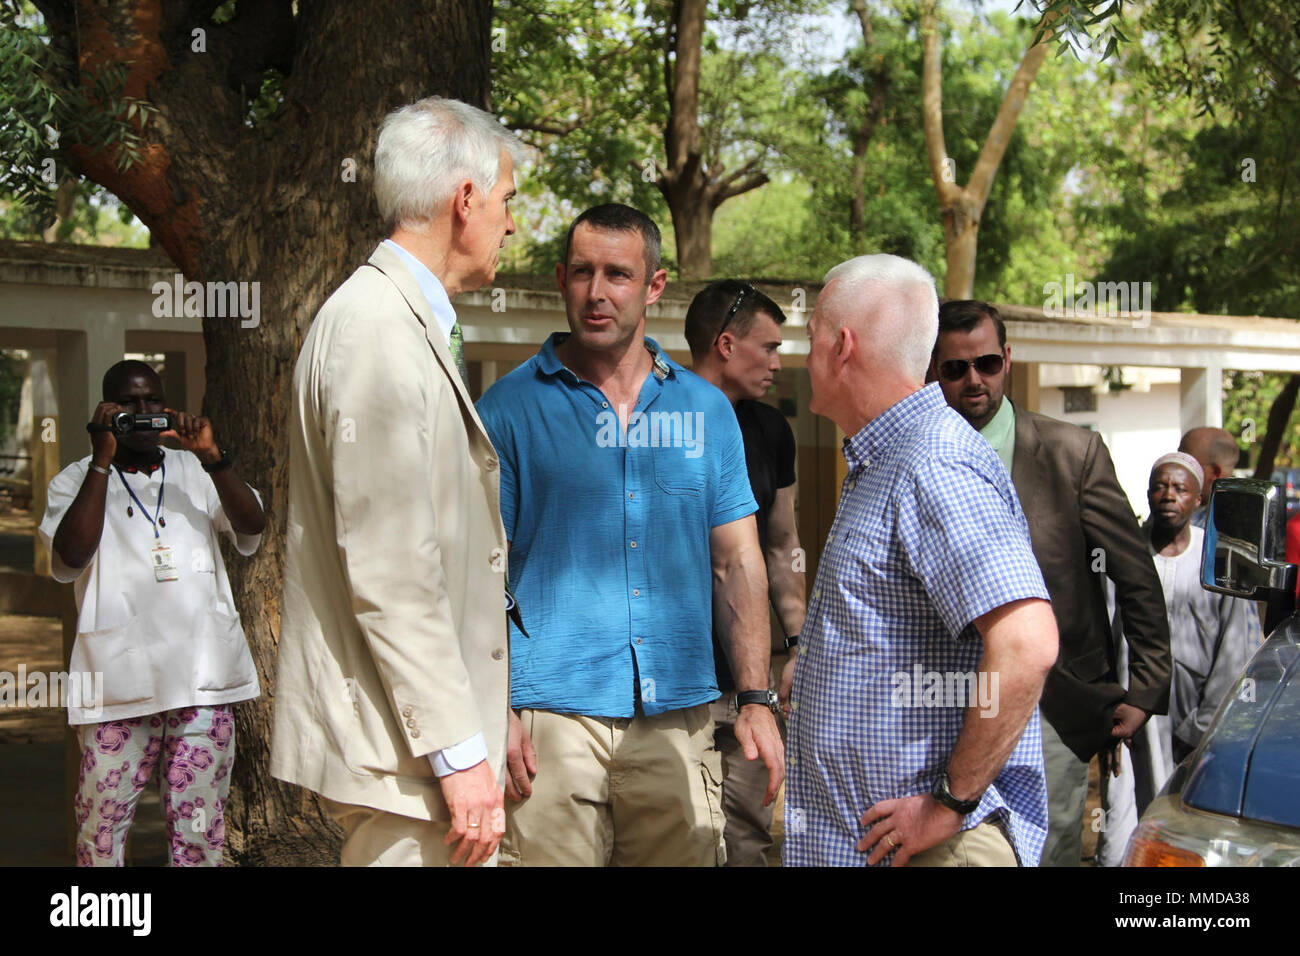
column 123, row 423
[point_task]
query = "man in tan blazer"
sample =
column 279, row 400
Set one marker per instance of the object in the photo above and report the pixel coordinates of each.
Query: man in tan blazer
column 391, row 697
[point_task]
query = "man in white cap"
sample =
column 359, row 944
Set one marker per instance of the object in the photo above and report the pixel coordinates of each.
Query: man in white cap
column 1209, row 638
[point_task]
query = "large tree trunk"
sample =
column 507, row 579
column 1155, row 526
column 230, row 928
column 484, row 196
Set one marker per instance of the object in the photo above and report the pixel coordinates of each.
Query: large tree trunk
column 268, row 204
column 691, row 187
column 877, row 91
column 1278, row 416
column 962, row 206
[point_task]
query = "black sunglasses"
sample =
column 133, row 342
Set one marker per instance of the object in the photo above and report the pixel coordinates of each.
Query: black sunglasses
column 955, row 369
column 745, row 290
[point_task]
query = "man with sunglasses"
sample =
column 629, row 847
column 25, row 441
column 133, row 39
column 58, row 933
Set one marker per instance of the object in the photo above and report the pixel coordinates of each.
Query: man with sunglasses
column 734, row 332
column 1082, row 528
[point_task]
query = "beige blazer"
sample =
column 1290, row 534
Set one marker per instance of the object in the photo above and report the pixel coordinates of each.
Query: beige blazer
column 393, row 637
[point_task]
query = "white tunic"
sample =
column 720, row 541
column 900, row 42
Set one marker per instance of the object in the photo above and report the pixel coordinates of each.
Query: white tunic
column 159, row 645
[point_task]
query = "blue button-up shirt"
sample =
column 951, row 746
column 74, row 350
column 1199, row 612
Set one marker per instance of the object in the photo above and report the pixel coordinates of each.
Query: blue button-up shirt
column 928, row 537
column 609, row 532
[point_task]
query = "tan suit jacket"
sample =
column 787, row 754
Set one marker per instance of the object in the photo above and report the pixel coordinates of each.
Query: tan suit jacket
column 393, row 640
column 1082, row 527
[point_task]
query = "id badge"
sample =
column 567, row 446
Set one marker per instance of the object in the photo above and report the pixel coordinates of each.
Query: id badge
column 164, row 564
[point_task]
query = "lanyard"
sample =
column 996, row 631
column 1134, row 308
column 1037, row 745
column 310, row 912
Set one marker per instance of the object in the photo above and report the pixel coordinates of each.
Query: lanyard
column 162, row 486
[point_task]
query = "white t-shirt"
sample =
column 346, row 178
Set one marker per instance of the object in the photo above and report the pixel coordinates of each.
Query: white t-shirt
column 160, row 645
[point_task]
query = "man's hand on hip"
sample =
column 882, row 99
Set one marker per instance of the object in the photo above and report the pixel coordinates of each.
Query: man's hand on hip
column 757, row 734
column 786, row 684
column 521, row 759
column 907, row 827
column 478, row 815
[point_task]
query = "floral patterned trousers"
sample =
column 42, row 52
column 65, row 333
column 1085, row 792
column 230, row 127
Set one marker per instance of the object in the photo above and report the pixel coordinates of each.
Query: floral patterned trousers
column 196, row 749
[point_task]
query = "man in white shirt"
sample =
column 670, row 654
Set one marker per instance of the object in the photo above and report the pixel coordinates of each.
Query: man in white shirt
column 135, row 527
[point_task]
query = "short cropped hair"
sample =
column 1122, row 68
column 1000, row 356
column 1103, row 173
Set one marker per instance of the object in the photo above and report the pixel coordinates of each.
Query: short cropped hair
column 616, row 217
column 709, row 308
column 910, row 342
column 427, row 148
column 962, row 315
column 120, row 371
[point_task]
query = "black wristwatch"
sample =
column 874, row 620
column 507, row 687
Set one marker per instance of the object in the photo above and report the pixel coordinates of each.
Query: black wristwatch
column 941, row 793
column 766, row 698
column 220, row 464
column 791, row 641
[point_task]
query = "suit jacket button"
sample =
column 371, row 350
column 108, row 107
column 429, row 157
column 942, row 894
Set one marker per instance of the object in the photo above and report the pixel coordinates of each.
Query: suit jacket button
column 410, row 723
column 415, row 733
column 407, row 711
column 498, row 654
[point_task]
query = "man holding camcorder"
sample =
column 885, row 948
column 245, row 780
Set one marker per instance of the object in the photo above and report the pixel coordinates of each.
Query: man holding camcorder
column 157, row 631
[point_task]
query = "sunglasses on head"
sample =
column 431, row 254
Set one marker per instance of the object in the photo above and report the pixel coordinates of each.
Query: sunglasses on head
column 731, row 313
column 955, row 369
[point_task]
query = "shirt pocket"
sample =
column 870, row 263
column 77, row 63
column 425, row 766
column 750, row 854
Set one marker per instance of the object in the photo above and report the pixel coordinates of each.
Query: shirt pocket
column 678, row 474
column 115, row 653
column 221, row 657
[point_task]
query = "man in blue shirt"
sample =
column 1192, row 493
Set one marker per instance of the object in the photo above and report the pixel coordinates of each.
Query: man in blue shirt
column 630, row 520
column 914, row 734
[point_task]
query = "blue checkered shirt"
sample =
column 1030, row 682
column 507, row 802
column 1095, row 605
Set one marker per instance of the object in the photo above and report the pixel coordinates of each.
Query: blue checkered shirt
column 928, row 537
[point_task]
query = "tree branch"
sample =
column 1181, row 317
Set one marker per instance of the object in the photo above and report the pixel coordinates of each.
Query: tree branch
column 1013, row 102
column 932, row 109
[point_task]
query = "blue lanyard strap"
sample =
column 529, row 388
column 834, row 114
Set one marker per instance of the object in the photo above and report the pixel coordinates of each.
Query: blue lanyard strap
column 162, row 486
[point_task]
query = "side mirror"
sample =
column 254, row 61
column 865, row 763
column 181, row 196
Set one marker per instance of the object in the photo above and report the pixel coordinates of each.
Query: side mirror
column 1245, row 545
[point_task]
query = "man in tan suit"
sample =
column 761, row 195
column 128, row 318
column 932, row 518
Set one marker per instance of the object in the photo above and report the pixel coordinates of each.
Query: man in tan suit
column 393, row 667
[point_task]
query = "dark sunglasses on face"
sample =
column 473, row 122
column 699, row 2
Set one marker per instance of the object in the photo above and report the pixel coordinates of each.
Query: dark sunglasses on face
column 731, row 313
column 955, row 369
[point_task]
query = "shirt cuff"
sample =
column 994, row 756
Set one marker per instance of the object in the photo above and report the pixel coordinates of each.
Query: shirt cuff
column 459, row 756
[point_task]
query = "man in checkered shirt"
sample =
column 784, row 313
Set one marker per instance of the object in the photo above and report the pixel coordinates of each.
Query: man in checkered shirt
column 914, row 735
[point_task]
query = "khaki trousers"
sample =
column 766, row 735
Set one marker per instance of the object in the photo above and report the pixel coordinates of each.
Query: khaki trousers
column 377, row 838
column 984, row 844
column 619, row 791
column 744, row 784
column 1067, row 794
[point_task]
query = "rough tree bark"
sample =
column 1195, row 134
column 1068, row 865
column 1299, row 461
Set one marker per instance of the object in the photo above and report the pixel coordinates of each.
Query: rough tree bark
column 962, row 206
column 692, row 187
column 266, row 200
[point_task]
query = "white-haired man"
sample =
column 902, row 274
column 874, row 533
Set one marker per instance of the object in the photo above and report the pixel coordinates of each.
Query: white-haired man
column 393, row 670
column 914, row 733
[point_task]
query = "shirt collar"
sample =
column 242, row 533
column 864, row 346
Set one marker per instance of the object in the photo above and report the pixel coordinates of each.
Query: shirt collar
column 434, row 293
column 550, row 363
column 879, row 433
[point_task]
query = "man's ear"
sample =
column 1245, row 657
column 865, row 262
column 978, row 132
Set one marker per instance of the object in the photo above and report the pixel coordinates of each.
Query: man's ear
column 657, row 283
column 462, row 202
column 846, row 346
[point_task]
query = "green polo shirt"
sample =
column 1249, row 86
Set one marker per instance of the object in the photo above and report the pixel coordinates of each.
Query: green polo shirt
column 1000, row 432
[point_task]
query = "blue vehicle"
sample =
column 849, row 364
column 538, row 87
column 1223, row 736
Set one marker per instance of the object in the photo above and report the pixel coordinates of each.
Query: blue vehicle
column 1235, row 801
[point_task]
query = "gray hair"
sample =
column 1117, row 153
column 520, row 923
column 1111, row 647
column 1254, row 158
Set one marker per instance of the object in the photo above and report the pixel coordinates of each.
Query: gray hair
column 427, row 148
column 909, row 321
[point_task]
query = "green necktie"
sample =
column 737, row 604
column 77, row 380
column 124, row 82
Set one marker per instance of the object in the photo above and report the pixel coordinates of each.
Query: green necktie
column 457, row 342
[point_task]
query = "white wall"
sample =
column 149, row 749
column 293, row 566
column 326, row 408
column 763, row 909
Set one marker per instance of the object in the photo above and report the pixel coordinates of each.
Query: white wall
column 1138, row 427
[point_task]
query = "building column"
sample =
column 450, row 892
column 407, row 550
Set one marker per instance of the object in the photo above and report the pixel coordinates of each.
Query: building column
column 1200, row 393
column 1024, row 390
column 44, row 444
